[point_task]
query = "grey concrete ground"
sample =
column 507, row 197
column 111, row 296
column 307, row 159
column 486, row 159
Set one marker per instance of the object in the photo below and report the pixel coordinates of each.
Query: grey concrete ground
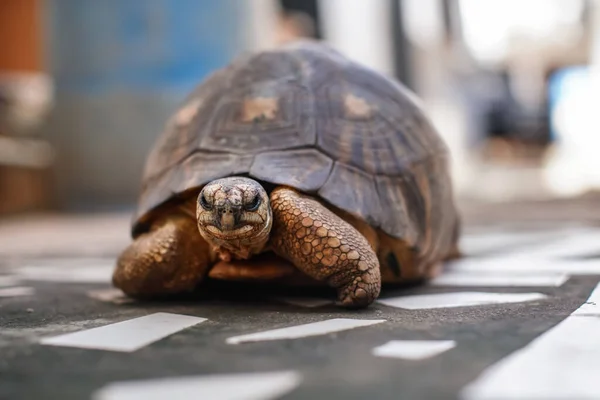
column 334, row 366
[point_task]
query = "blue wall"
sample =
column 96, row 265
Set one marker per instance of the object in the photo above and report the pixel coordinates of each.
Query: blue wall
column 140, row 44
column 120, row 69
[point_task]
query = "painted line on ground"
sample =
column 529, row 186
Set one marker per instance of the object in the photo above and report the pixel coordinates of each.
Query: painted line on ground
column 16, row 291
column 562, row 363
column 8, row 280
column 511, row 241
column 592, row 306
column 251, row 386
column 84, row 274
column 500, row 279
column 457, row 299
column 524, row 264
column 305, row 330
column 577, row 244
column 80, row 270
column 413, row 349
column 126, row 336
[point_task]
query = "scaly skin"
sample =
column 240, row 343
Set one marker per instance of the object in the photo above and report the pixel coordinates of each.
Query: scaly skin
column 234, row 216
column 325, row 247
column 171, row 258
column 179, row 250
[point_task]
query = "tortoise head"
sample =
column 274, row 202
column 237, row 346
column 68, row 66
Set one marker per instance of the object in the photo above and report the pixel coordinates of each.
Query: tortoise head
column 234, row 212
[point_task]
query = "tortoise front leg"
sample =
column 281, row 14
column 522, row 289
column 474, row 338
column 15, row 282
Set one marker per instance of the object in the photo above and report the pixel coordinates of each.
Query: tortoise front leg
column 171, row 258
column 325, row 247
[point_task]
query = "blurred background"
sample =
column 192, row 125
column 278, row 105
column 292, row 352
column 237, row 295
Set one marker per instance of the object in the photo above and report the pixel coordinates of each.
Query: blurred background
column 86, row 86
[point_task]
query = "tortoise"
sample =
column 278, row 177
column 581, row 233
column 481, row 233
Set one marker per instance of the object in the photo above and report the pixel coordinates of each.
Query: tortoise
column 290, row 166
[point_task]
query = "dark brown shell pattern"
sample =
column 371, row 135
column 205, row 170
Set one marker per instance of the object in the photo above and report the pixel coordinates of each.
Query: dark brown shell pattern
column 307, row 117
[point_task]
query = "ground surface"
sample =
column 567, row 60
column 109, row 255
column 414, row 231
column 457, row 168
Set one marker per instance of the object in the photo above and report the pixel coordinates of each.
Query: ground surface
column 54, row 280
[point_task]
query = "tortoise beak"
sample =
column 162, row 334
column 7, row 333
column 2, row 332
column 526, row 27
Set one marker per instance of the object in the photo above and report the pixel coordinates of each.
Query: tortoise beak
column 227, row 217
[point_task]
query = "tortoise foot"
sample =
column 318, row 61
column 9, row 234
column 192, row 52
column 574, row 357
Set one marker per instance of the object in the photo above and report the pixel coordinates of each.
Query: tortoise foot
column 324, row 247
column 171, row 258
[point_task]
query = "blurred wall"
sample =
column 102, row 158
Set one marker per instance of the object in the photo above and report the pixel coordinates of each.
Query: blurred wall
column 120, row 68
column 20, row 33
column 360, row 29
column 23, row 180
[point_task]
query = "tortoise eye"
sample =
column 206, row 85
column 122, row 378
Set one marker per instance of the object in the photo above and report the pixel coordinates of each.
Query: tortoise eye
column 204, row 203
column 253, row 204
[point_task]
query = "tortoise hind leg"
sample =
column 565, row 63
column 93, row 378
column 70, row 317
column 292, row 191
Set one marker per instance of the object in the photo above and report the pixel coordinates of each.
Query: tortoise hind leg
column 171, row 258
column 401, row 262
column 325, row 247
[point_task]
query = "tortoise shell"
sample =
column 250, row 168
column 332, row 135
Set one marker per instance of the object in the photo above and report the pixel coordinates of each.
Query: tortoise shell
column 307, row 117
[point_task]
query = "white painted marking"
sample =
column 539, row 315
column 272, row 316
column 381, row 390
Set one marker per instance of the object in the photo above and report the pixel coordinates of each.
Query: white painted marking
column 458, row 299
column 592, row 306
column 305, row 301
column 9, row 281
column 78, row 270
column 110, row 296
column 489, row 279
column 252, row 386
column 413, row 349
column 300, row 331
column 562, row 363
column 67, row 262
column 578, row 244
column 83, row 274
column 16, row 291
column 485, row 242
column 525, row 264
column 492, row 241
column 128, row 335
